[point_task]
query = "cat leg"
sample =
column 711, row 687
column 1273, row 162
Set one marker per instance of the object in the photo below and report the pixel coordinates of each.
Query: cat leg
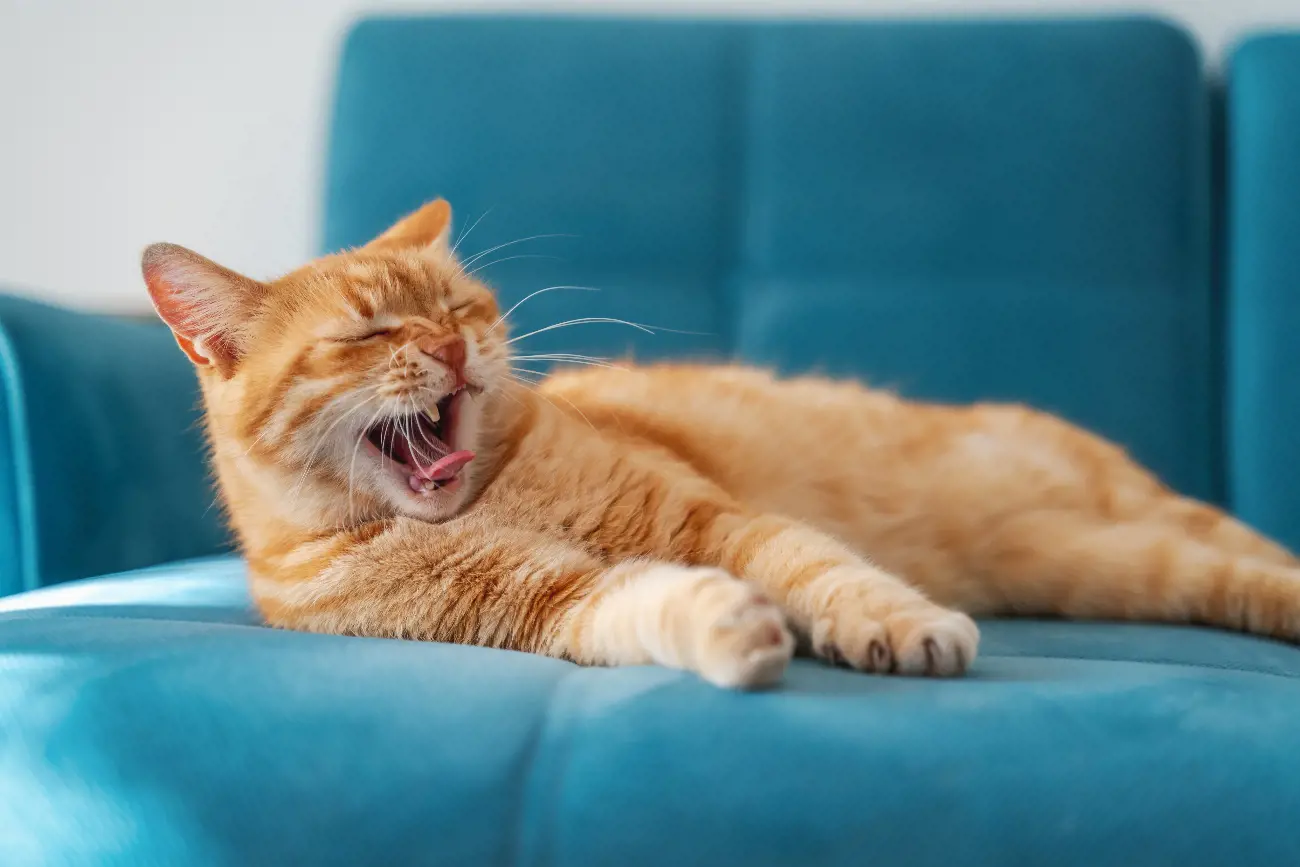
column 844, row 607
column 1215, row 527
column 1066, row 564
column 474, row 582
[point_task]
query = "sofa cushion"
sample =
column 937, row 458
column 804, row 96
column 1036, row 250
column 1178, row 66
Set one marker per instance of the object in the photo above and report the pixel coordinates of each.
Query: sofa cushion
column 1264, row 283
column 1009, row 210
column 148, row 718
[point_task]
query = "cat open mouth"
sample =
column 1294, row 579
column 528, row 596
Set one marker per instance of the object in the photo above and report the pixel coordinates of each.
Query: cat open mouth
column 422, row 445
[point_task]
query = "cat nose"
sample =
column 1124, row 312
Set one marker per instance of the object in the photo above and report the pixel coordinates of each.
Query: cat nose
column 450, row 350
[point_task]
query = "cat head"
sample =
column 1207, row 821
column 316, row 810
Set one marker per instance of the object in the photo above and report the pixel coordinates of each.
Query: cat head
column 365, row 375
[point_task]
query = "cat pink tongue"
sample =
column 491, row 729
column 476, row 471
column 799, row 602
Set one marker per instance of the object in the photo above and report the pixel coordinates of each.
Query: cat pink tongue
column 442, row 469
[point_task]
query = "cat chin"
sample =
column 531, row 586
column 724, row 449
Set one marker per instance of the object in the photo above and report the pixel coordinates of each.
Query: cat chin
column 430, row 505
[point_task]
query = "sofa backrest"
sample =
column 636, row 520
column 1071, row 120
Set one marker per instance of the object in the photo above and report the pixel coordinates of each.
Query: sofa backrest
column 1263, row 287
column 987, row 210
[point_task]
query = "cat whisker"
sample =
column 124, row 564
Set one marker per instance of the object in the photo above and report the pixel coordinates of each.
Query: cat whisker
column 414, row 425
column 486, row 265
column 404, row 428
column 477, row 256
column 353, row 462
column 553, row 355
column 386, row 445
column 465, row 234
column 351, row 467
column 256, row 440
column 537, row 373
column 436, row 448
column 585, row 320
column 572, row 359
column 530, row 296
column 266, row 428
column 311, row 457
column 513, row 399
column 523, row 383
column 393, row 352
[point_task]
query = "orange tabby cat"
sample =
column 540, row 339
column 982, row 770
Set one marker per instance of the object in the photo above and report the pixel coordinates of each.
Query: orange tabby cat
column 386, row 476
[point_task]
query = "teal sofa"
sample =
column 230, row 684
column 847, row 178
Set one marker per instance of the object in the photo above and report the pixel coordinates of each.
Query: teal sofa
column 1066, row 213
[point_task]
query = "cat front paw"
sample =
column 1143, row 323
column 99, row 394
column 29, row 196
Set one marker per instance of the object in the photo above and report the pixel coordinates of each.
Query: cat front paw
column 742, row 641
column 932, row 641
column 851, row 639
column 881, row 627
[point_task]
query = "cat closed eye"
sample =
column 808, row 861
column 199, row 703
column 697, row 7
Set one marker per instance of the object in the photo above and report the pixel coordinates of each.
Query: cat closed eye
column 369, row 335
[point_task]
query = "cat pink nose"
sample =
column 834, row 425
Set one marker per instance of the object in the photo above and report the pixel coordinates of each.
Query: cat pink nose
column 450, row 350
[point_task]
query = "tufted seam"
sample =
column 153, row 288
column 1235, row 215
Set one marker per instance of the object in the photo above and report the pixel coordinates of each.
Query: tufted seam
column 23, row 529
column 738, row 46
column 546, row 765
column 524, row 846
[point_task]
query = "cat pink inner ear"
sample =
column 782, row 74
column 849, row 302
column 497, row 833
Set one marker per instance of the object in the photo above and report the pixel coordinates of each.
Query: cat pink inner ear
column 205, row 305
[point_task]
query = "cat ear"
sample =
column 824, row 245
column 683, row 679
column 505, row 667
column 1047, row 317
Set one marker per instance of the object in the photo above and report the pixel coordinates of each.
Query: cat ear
column 206, row 306
column 429, row 227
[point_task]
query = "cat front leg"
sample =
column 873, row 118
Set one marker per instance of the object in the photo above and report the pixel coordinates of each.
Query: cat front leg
column 476, row 582
column 845, row 608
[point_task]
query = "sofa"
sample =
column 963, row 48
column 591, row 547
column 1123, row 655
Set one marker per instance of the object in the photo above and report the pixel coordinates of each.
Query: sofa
column 1073, row 214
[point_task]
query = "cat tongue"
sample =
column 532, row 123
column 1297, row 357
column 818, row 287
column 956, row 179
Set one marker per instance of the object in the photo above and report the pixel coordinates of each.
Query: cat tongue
column 446, row 467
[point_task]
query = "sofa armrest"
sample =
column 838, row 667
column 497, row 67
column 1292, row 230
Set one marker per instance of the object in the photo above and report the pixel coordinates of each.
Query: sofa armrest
column 101, row 453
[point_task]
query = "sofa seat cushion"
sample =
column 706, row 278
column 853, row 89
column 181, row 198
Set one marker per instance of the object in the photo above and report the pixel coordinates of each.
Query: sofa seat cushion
column 149, row 718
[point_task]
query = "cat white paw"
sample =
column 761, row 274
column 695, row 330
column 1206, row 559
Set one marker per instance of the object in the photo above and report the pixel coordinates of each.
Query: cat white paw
column 742, row 640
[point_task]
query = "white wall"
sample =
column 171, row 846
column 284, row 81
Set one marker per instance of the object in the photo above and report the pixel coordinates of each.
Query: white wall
column 131, row 121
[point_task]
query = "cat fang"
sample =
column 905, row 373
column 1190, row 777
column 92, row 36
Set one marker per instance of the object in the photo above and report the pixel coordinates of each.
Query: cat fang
column 420, row 447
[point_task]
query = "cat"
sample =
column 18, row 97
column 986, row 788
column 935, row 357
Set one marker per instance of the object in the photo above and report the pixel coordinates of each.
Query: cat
column 385, row 475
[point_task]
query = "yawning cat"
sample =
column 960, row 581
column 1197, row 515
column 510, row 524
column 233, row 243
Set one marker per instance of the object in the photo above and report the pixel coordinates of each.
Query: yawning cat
column 387, row 476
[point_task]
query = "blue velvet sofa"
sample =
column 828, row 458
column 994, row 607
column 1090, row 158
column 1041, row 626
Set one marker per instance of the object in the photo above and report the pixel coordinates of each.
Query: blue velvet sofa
column 1067, row 213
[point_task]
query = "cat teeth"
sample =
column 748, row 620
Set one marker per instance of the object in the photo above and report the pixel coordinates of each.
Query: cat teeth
column 423, row 487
